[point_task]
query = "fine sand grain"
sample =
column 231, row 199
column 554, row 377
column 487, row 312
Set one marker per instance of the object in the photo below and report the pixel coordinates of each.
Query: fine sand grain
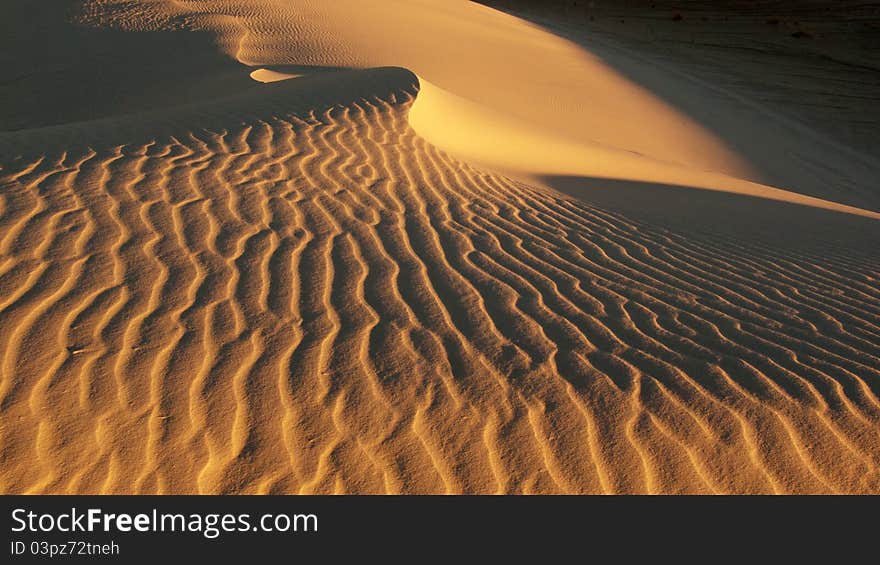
column 418, row 246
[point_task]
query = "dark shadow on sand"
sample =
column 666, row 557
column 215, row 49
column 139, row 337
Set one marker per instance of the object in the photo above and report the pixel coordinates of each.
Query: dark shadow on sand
column 795, row 227
column 774, row 152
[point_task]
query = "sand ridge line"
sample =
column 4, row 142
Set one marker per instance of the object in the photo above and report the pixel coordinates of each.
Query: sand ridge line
column 288, row 290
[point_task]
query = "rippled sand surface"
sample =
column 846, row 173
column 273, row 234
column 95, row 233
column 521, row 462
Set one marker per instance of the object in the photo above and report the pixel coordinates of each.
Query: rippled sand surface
column 417, row 246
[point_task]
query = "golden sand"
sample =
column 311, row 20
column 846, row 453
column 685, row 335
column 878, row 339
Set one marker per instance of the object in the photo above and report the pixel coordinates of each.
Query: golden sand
column 418, row 246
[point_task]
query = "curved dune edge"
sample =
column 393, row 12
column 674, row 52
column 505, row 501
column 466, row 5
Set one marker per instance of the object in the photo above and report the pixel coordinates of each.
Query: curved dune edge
column 288, row 290
column 484, row 136
column 477, row 53
column 268, row 75
column 491, row 139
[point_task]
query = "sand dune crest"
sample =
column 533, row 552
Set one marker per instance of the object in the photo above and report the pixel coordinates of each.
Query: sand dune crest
column 284, row 288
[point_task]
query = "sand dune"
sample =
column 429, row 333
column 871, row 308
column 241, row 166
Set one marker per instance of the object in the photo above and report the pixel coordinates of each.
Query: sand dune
column 286, row 282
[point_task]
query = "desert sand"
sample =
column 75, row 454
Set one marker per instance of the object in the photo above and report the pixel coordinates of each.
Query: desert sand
column 431, row 246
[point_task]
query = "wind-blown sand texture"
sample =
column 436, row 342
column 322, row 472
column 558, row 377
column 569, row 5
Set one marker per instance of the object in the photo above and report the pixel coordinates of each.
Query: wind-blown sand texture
column 418, row 246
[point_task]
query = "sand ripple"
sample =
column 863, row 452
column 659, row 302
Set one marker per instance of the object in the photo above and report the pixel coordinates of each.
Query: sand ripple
column 318, row 301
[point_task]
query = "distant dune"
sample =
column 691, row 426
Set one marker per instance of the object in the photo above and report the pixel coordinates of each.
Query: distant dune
column 428, row 246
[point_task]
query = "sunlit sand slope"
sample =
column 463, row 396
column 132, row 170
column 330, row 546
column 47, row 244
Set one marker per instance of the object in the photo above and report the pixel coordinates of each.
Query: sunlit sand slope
column 578, row 104
column 286, row 289
column 322, row 302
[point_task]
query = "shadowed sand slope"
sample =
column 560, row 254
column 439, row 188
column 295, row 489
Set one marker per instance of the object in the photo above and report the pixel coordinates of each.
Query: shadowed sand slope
column 286, row 289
